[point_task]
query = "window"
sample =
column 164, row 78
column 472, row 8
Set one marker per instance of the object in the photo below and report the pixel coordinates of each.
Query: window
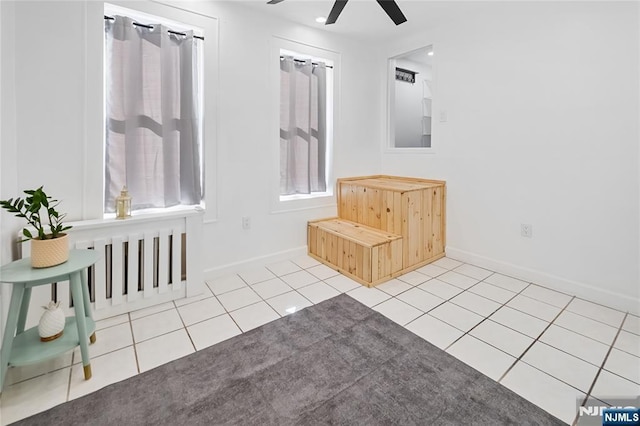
column 153, row 111
column 306, row 109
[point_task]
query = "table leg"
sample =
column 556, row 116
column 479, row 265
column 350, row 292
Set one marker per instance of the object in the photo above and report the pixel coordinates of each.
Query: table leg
column 10, row 329
column 78, row 304
column 87, row 301
column 24, row 308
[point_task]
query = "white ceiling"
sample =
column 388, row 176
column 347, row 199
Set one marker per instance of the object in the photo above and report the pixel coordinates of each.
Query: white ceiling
column 365, row 19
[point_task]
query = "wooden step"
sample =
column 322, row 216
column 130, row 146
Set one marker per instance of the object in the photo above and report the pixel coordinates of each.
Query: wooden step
column 410, row 207
column 367, row 255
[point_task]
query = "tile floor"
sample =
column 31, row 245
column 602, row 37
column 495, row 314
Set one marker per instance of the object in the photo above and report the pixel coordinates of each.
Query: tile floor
column 551, row 348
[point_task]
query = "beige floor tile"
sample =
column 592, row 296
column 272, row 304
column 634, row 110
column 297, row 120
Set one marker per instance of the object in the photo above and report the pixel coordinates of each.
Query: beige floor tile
column 434, row 331
column 32, row 396
column 200, row 311
column 106, row 369
column 162, row 349
column 318, row 292
column 548, row 393
column 107, row 340
column 288, row 303
column 155, row 325
column 398, row 311
column 212, row 331
column 483, row 357
column 254, row 316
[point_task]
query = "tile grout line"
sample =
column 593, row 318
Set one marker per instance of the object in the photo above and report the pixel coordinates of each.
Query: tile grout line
column 135, row 347
column 581, row 334
column 184, row 326
column 604, row 361
column 462, row 290
column 546, row 288
column 227, row 312
column 459, row 293
column 593, row 319
column 130, row 320
column 534, row 342
column 153, row 313
column 440, row 304
column 483, row 320
column 134, row 343
column 503, row 305
column 69, row 380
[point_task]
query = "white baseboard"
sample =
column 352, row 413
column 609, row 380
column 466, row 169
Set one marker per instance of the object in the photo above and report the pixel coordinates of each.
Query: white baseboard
column 234, row 268
column 584, row 291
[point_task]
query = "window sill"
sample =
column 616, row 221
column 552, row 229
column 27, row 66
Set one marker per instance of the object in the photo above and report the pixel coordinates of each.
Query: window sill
column 289, row 203
column 294, row 197
column 159, row 212
column 417, row 150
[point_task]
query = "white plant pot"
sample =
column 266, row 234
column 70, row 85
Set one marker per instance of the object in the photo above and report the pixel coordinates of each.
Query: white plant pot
column 52, row 321
column 46, row 253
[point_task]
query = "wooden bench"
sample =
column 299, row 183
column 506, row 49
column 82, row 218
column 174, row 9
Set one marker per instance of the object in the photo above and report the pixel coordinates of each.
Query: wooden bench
column 403, row 217
column 367, row 255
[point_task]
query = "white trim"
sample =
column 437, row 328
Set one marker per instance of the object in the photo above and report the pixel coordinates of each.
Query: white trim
column 413, row 151
column 584, row 291
column 135, row 218
column 297, row 208
column 295, row 197
column 234, row 268
column 93, row 123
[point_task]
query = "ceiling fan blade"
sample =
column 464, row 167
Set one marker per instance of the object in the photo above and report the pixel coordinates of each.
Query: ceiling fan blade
column 274, row 1
column 392, row 9
column 335, row 11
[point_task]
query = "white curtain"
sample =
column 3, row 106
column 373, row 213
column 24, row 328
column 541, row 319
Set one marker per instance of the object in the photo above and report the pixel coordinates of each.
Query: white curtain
column 303, row 105
column 152, row 115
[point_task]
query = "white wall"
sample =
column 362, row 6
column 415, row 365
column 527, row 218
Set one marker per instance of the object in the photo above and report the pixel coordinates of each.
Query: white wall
column 8, row 174
column 53, row 41
column 542, row 105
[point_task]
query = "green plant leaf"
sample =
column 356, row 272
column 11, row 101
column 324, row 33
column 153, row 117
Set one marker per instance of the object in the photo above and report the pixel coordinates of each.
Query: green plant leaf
column 29, row 209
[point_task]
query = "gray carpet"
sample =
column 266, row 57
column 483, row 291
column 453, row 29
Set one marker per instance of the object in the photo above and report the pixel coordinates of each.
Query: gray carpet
column 337, row 362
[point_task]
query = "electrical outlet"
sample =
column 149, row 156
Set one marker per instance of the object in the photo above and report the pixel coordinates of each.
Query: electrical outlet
column 246, row 222
column 526, row 230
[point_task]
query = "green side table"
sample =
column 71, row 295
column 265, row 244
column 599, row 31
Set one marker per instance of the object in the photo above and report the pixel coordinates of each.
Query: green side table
column 20, row 347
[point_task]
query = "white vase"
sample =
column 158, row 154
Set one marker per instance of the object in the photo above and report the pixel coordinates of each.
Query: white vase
column 52, row 322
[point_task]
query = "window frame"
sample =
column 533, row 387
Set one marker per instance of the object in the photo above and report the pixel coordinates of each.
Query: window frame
column 283, row 203
column 144, row 18
column 94, row 153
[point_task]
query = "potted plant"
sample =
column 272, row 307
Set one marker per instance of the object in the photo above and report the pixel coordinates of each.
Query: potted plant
column 47, row 248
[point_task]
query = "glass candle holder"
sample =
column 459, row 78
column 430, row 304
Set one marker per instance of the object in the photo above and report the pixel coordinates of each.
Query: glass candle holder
column 123, row 204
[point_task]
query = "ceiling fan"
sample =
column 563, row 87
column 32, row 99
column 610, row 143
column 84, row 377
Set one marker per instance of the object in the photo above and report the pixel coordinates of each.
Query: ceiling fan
column 389, row 6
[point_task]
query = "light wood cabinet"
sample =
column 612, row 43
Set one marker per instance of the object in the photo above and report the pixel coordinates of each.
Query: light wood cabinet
column 404, row 217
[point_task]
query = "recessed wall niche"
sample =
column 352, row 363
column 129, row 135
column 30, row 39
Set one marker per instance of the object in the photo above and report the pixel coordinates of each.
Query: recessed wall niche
column 410, row 99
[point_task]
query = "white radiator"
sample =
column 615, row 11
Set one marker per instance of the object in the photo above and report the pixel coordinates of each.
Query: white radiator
column 144, row 261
